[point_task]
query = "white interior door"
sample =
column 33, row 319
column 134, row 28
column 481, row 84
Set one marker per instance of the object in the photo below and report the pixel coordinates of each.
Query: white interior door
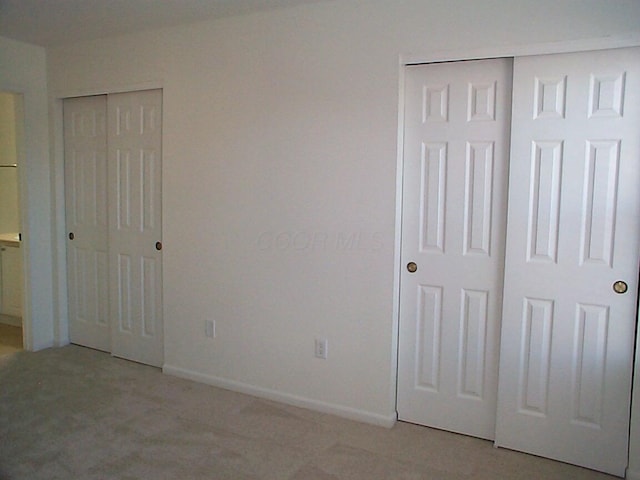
column 113, row 196
column 135, row 257
column 85, row 143
column 454, row 209
column 573, row 231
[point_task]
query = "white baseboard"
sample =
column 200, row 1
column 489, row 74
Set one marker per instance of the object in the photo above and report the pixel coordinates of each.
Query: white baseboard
column 42, row 346
column 633, row 475
column 303, row 402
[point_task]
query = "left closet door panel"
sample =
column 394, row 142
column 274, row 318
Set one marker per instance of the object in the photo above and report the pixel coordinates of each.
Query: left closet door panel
column 85, row 139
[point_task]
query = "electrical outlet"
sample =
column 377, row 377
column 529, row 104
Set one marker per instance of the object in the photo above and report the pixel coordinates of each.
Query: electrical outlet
column 210, row 328
column 321, row 348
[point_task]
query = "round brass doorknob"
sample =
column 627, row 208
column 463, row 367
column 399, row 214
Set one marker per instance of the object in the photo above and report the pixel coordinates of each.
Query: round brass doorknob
column 158, row 246
column 620, row 287
column 412, row 267
column 71, row 236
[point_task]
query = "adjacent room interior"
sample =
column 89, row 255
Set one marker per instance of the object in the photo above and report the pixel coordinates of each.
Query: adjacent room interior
column 11, row 271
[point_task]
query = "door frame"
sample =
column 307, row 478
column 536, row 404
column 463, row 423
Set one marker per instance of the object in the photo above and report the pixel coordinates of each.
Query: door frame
column 59, row 214
column 437, row 56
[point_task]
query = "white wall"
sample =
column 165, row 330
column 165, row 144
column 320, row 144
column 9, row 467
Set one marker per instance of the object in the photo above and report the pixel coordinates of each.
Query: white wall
column 280, row 134
column 23, row 71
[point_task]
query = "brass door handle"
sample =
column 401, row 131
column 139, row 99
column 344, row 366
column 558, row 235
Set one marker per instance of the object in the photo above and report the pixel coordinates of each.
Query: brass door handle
column 620, row 287
column 412, row 267
column 158, row 246
column 71, row 236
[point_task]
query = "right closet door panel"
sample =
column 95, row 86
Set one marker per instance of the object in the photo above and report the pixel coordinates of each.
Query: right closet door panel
column 571, row 270
column 135, row 225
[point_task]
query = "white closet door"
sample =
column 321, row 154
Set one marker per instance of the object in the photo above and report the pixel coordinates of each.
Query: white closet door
column 135, row 259
column 573, row 232
column 85, row 143
column 113, row 200
column 454, row 210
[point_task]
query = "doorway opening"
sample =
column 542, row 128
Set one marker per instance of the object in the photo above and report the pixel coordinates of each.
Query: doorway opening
column 11, row 253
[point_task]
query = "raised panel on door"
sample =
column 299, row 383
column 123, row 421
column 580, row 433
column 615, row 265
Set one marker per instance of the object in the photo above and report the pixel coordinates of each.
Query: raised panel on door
column 134, row 172
column 85, row 144
column 454, row 209
column 573, row 231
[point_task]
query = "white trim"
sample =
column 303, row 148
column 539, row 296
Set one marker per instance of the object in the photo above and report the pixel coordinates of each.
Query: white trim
column 59, row 227
column 107, row 89
column 570, row 46
column 297, row 401
column 397, row 249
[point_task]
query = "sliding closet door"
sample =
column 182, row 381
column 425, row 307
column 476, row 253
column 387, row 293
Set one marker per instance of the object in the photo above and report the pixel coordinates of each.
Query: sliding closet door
column 135, row 257
column 454, row 210
column 573, row 241
column 113, row 189
column 85, row 143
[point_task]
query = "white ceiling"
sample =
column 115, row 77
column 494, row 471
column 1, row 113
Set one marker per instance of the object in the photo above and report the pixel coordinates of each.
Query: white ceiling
column 59, row 22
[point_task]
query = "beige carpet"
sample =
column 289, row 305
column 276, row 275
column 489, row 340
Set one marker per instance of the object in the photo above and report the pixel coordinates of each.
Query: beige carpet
column 74, row 413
